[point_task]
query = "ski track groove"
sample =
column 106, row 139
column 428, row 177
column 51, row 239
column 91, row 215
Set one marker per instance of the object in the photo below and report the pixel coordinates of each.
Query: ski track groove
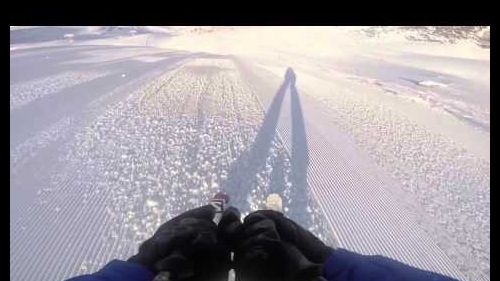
column 30, row 221
column 97, row 203
column 361, row 245
column 48, row 211
column 22, row 94
column 371, row 210
column 60, row 248
column 96, row 252
column 87, row 220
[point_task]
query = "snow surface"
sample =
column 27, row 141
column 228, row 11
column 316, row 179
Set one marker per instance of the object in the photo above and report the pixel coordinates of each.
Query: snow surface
column 377, row 138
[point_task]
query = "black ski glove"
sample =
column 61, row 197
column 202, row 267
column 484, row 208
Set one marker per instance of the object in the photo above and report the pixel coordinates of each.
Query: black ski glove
column 263, row 254
column 289, row 231
column 187, row 247
column 230, row 228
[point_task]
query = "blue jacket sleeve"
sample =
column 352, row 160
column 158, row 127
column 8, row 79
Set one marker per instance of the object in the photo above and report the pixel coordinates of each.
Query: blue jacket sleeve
column 343, row 265
column 117, row 270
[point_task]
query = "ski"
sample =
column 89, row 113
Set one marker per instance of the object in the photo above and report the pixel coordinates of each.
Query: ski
column 274, row 202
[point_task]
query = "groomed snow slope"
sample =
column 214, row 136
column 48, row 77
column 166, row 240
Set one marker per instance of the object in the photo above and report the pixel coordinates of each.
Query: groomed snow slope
column 379, row 144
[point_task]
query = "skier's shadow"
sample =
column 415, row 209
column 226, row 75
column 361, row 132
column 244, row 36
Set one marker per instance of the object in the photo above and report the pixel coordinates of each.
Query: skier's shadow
column 243, row 173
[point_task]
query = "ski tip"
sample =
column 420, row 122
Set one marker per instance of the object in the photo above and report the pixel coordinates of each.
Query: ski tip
column 221, row 196
column 274, row 202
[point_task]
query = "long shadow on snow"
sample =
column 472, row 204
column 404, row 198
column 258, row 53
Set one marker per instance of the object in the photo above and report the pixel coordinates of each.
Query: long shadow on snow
column 243, row 173
column 299, row 160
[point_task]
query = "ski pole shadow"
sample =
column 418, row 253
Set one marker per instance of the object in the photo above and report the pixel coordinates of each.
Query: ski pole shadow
column 243, row 175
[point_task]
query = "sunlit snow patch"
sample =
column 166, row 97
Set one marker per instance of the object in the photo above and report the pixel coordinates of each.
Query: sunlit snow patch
column 430, row 83
column 151, row 203
column 24, row 93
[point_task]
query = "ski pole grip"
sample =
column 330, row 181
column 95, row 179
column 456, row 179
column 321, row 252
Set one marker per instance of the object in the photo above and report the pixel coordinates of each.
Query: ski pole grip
column 219, row 202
